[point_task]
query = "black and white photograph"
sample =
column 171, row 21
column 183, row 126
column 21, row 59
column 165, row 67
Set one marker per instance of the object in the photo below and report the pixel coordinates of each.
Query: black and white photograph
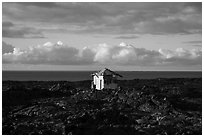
column 101, row 68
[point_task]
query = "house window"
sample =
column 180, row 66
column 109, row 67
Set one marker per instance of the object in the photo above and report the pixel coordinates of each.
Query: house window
column 100, row 84
column 114, row 81
column 108, row 81
column 105, row 81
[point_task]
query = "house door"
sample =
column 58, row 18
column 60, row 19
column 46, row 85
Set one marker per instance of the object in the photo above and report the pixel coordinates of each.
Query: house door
column 100, row 84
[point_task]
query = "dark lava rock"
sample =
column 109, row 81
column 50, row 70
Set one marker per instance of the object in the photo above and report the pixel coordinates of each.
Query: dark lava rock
column 146, row 107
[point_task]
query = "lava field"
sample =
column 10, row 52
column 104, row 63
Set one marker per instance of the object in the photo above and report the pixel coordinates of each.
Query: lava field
column 137, row 107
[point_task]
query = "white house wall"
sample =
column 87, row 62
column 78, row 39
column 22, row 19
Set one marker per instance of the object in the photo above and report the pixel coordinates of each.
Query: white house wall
column 97, row 82
column 103, row 86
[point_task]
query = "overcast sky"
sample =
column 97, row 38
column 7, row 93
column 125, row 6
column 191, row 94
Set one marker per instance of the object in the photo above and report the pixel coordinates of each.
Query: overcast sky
column 91, row 36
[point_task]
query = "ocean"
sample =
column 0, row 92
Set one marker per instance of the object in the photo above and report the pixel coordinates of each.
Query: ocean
column 86, row 75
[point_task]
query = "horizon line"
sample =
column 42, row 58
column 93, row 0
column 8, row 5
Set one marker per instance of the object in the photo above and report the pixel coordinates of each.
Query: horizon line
column 115, row 70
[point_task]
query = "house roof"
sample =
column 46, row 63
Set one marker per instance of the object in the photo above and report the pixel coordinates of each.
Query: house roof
column 106, row 71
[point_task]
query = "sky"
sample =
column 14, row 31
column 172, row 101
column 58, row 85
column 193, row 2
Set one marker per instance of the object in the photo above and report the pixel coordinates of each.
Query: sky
column 130, row 36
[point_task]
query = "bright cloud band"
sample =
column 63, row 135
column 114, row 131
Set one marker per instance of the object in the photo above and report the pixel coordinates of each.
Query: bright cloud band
column 122, row 54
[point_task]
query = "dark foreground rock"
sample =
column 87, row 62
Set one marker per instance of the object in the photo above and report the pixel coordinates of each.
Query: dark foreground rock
column 149, row 107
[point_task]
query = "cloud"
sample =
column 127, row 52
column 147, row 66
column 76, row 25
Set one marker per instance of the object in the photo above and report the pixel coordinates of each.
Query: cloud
column 10, row 30
column 193, row 42
column 49, row 53
column 127, row 37
column 125, row 54
column 122, row 55
column 182, row 57
column 173, row 24
column 199, row 46
column 7, row 48
column 111, row 18
column 7, row 24
column 40, row 4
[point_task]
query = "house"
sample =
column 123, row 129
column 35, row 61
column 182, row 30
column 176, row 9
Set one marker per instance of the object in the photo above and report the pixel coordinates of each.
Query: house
column 104, row 79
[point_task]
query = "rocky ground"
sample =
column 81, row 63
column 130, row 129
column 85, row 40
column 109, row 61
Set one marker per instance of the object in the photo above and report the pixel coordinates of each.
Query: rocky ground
column 149, row 107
